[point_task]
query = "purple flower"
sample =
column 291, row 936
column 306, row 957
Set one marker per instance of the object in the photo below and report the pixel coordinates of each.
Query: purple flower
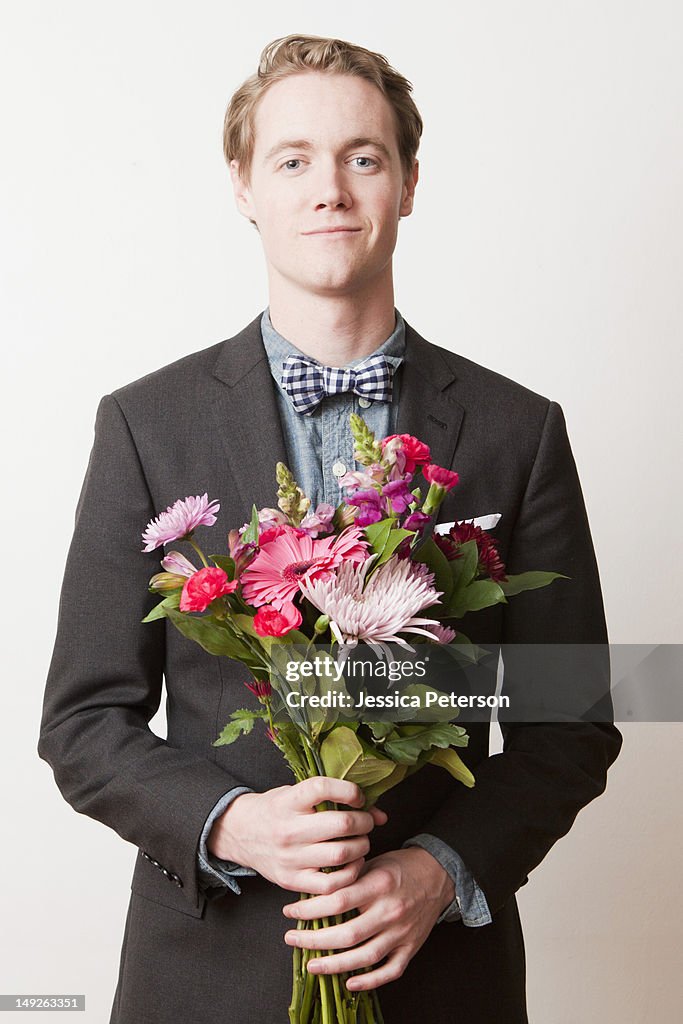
column 177, row 563
column 443, row 634
column 179, row 521
column 416, row 521
column 241, row 553
column 398, row 495
column 320, row 521
column 369, row 504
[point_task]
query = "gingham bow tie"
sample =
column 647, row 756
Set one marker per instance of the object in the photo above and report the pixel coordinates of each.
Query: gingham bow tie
column 307, row 382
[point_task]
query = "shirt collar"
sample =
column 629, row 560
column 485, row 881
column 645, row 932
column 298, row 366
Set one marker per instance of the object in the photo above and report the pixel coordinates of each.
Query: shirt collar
column 278, row 349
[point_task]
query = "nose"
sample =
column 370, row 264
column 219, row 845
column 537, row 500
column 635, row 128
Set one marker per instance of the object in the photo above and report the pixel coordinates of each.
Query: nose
column 331, row 190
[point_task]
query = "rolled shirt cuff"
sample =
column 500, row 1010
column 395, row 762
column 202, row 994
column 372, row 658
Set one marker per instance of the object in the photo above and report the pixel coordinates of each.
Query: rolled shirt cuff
column 216, row 875
column 469, row 905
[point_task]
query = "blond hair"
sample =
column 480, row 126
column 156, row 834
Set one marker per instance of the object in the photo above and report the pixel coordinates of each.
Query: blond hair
column 290, row 55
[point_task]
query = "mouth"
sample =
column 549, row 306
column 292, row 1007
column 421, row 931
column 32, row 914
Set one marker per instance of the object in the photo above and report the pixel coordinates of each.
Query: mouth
column 332, row 231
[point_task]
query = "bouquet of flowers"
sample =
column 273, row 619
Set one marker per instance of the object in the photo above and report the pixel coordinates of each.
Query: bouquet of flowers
column 297, row 580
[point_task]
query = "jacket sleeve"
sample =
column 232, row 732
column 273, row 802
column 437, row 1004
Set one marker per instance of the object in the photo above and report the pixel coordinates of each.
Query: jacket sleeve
column 527, row 797
column 105, row 677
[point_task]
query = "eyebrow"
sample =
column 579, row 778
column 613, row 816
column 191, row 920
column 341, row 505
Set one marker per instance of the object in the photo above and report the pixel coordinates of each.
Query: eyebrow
column 305, row 144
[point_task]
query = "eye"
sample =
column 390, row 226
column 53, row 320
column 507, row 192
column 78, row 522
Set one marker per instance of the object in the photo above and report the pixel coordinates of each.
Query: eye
column 368, row 158
column 294, row 160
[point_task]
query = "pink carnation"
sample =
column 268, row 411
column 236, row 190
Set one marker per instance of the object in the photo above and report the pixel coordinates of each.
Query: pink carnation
column 268, row 621
column 444, row 478
column 415, row 452
column 204, row 587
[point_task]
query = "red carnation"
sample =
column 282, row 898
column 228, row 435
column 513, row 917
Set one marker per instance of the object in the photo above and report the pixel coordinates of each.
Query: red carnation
column 203, row 587
column 489, row 561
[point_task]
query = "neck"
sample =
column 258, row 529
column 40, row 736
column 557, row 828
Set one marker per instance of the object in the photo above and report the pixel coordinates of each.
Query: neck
column 333, row 329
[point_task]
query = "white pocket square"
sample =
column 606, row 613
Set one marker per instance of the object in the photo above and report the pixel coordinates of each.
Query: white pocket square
column 486, row 522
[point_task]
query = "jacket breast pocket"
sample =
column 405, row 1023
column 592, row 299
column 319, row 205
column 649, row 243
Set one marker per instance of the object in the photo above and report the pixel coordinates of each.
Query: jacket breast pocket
column 150, row 882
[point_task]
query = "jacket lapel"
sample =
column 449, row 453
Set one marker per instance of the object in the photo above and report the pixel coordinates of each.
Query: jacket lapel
column 247, row 417
column 427, row 409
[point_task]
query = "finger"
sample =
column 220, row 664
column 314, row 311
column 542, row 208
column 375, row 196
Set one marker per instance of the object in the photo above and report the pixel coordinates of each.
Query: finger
column 338, row 936
column 392, row 969
column 331, row 854
column 349, row 960
column 325, row 882
column 380, row 817
column 307, row 794
column 314, row 828
column 350, row 896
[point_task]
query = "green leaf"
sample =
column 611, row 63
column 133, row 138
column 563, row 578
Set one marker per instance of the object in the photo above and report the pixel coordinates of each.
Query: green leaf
column 529, row 581
column 431, row 554
column 250, row 535
column 378, row 534
column 339, row 752
column 475, row 596
column 288, row 736
column 452, row 762
column 414, row 739
column 371, row 767
column 393, row 540
column 213, row 636
column 380, row 730
column 161, row 610
column 464, row 567
column 241, row 724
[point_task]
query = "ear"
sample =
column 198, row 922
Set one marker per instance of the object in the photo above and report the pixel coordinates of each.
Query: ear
column 243, row 199
column 408, row 192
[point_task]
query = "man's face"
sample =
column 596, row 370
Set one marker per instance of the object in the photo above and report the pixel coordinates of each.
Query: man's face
column 326, row 156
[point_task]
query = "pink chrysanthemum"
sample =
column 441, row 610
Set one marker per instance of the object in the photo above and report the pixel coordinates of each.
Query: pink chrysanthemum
column 275, row 575
column 378, row 612
column 179, row 520
column 443, row 634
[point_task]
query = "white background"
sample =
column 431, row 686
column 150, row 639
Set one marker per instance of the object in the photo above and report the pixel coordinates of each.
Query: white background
column 545, row 243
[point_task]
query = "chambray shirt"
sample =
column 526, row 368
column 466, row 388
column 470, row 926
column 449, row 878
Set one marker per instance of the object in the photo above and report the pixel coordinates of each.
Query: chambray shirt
column 320, row 450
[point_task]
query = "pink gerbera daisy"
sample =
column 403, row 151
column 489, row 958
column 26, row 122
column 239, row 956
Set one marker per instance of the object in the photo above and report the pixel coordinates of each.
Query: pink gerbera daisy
column 179, row 520
column 275, row 575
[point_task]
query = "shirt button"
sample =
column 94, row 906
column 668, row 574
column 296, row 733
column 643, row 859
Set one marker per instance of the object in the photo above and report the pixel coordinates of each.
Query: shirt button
column 339, row 469
column 364, row 403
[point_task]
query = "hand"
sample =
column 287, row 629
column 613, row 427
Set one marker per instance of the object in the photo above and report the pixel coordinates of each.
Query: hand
column 400, row 895
column 281, row 835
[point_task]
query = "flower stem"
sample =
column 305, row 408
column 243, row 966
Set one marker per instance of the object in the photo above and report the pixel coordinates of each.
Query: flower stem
column 198, row 550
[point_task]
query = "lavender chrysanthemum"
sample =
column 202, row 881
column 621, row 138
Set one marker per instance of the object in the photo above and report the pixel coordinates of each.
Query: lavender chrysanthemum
column 387, row 606
column 179, row 520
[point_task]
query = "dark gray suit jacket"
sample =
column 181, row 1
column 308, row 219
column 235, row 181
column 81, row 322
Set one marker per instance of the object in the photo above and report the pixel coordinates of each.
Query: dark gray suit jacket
column 209, row 422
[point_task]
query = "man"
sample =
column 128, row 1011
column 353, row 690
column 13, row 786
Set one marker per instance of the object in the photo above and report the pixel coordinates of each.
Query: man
column 321, row 145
